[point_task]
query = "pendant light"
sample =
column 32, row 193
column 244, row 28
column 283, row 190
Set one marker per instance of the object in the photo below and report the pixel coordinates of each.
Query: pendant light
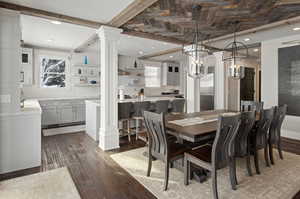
column 234, row 52
column 196, row 51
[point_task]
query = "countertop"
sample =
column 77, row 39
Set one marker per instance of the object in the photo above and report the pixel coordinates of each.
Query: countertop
column 31, row 106
column 68, row 98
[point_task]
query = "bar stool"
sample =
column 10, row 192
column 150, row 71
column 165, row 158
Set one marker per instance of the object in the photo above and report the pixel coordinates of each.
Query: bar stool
column 124, row 115
column 139, row 108
column 161, row 106
column 178, row 105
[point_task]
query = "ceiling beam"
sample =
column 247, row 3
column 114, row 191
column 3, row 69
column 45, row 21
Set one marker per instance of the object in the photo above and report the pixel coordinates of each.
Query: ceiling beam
column 91, row 40
column 161, row 53
column 49, row 15
column 286, row 2
column 135, row 8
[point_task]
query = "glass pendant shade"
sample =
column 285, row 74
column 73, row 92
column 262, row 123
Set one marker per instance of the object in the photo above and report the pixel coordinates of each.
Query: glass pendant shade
column 236, row 72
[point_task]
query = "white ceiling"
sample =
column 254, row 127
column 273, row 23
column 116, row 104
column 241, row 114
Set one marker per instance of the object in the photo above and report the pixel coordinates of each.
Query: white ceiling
column 95, row 10
column 37, row 31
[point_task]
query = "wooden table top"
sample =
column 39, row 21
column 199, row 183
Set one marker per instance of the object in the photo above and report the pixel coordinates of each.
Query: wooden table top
column 197, row 132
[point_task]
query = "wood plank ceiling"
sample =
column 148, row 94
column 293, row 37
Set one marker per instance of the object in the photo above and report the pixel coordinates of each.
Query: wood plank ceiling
column 172, row 19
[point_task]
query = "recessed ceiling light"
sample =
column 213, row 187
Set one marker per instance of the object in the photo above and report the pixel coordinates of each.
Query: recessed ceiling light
column 141, row 52
column 50, row 40
column 255, row 49
column 171, row 56
column 296, row 28
column 165, row 43
column 56, row 22
column 152, row 47
column 247, row 39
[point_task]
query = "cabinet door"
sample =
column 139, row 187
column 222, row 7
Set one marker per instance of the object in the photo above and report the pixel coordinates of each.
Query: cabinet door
column 49, row 116
column 66, row 114
column 80, row 113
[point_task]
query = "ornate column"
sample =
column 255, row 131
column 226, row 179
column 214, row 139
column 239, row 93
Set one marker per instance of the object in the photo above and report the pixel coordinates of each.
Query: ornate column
column 109, row 133
column 192, row 92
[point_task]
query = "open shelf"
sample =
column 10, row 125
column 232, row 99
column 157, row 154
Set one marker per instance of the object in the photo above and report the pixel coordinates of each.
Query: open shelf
column 87, row 85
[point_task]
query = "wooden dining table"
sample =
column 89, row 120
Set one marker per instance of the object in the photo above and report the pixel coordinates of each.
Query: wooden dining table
column 195, row 132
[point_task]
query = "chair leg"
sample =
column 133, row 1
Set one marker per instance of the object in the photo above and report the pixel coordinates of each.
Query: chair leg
column 128, row 130
column 266, row 155
column 248, row 162
column 166, row 175
column 214, row 184
column 256, row 161
column 149, row 163
column 136, row 128
column 279, row 149
column 186, row 171
column 232, row 174
column 271, row 153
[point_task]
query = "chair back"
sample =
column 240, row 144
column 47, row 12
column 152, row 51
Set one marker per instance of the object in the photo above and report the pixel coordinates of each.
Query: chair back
column 124, row 110
column 242, row 138
column 263, row 127
column 223, row 146
column 178, row 105
column 252, row 106
column 155, row 125
column 162, row 106
column 140, row 107
column 275, row 129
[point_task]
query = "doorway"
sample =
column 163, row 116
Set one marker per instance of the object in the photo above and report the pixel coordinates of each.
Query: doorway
column 247, row 85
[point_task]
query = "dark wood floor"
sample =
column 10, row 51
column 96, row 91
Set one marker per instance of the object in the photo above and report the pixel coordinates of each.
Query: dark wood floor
column 95, row 174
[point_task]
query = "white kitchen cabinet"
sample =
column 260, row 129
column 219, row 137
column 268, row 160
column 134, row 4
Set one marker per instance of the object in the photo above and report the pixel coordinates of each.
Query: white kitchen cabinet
column 66, row 114
column 49, row 115
column 171, row 74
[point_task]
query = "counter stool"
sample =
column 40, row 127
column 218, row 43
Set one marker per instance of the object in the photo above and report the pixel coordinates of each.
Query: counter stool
column 124, row 115
column 161, row 106
column 139, row 108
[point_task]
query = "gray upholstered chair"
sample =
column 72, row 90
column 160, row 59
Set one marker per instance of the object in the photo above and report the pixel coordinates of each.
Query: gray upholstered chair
column 275, row 131
column 242, row 140
column 259, row 137
column 217, row 156
column 159, row 146
column 162, row 106
column 177, row 105
column 124, row 115
column 138, row 110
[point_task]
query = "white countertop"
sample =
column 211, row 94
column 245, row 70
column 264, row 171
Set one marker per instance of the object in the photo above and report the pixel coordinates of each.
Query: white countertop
column 31, row 106
column 68, row 98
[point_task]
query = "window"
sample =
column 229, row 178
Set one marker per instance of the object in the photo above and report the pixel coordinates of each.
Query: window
column 152, row 76
column 53, row 72
column 170, row 69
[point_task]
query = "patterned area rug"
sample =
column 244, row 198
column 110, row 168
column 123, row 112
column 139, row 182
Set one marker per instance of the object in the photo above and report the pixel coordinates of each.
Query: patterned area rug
column 281, row 181
column 52, row 184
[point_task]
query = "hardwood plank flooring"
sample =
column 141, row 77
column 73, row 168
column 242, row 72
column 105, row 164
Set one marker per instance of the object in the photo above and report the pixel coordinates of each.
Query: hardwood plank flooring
column 95, row 174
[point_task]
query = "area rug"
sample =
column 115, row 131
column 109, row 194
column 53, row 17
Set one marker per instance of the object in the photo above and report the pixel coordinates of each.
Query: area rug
column 280, row 181
column 52, row 184
column 63, row 130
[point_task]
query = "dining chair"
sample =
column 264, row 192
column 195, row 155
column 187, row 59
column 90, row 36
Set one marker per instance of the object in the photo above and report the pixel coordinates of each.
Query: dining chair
column 177, row 105
column 252, row 106
column 218, row 155
column 259, row 137
column 159, row 146
column 162, row 106
column 138, row 110
column 242, row 142
column 275, row 131
column 124, row 115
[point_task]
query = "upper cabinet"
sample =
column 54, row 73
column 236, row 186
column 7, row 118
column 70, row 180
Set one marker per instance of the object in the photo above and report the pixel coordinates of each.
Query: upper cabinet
column 171, row 74
column 27, row 66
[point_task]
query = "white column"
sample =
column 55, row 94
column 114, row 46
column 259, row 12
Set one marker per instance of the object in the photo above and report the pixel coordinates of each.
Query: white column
column 109, row 133
column 219, row 81
column 192, row 93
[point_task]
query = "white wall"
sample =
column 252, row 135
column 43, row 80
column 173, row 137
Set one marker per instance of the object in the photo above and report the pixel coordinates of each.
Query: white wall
column 35, row 91
column 10, row 52
column 269, row 69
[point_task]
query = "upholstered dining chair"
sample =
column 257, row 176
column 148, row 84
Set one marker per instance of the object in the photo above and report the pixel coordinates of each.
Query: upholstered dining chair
column 275, row 131
column 242, row 140
column 159, row 146
column 218, row 155
column 124, row 115
column 177, row 105
column 259, row 137
column 252, row 106
column 162, row 106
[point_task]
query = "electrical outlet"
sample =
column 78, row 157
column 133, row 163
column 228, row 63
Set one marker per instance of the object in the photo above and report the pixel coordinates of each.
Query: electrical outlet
column 5, row 99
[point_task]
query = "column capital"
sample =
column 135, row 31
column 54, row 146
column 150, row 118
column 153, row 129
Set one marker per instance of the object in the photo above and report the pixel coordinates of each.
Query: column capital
column 107, row 32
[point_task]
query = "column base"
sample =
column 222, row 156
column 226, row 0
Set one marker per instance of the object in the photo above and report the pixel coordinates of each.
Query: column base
column 109, row 139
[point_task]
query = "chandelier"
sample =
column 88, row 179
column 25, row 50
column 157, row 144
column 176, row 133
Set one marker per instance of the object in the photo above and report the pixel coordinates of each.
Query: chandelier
column 233, row 52
column 196, row 51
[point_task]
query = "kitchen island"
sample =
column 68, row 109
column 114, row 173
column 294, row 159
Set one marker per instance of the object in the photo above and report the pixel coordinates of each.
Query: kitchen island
column 93, row 113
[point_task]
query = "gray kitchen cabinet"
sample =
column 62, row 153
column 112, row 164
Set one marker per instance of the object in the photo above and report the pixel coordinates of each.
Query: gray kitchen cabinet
column 66, row 114
column 49, row 115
